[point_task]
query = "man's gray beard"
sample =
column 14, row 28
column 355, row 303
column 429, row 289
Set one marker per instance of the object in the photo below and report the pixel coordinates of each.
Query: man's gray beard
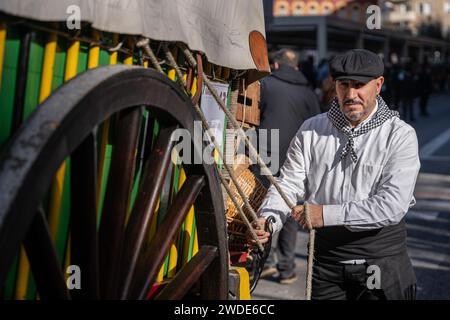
column 352, row 116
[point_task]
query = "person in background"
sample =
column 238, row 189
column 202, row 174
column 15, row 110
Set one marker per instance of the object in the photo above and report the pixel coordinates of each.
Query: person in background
column 308, row 70
column 408, row 92
column 425, row 86
column 325, row 86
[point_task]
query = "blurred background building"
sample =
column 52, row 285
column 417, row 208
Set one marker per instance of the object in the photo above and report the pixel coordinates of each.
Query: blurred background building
column 411, row 30
column 419, row 17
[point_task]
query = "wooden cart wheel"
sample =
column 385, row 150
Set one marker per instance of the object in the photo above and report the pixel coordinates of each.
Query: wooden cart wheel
column 116, row 259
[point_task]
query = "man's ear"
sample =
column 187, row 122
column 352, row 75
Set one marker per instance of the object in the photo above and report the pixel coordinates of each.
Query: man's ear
column 380, row 82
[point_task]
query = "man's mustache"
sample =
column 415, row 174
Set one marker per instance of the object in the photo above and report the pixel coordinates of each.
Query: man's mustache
column 352, row 101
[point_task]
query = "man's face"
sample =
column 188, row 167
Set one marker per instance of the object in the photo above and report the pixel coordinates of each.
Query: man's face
column 356, row 99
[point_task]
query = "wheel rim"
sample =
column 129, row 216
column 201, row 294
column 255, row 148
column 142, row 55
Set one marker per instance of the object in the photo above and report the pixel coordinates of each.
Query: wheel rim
column 64, row 125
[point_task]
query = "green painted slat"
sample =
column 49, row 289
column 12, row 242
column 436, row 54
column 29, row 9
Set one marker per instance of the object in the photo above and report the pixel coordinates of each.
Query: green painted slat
column 60, row 62
column 83, row 57
column 34, row 72
column 11, row 280
column 104, row 57
column 166, row 265
column 105, row 174
column 156, row 128
column 9, row 77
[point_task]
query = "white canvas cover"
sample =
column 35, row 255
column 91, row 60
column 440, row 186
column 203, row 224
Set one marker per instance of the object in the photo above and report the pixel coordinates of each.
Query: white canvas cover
column 219, row 28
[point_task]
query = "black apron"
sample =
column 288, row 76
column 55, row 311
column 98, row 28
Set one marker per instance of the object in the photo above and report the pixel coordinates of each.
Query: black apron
column 384, row 247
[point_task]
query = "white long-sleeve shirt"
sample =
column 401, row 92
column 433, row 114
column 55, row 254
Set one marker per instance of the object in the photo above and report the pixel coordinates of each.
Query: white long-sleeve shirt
column 374, row 192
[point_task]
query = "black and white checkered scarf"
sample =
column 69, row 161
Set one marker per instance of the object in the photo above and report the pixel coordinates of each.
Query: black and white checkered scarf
column 338, row 119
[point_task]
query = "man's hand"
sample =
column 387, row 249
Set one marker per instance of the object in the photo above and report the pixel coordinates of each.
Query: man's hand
column 258, row 226
column 315, row 214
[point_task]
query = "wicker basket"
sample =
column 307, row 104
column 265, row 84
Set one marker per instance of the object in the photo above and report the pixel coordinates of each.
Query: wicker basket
column 255, row 192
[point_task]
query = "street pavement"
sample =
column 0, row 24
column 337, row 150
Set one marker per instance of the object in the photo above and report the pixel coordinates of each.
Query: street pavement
column 428, row 224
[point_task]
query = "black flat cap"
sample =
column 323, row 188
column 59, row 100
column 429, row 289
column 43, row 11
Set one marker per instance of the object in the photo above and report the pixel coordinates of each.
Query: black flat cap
column 357, row 64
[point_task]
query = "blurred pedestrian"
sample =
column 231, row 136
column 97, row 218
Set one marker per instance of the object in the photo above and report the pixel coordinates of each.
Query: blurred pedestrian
column 325, row 85
column 425, row 87
column 309, row 71
column 408, row 93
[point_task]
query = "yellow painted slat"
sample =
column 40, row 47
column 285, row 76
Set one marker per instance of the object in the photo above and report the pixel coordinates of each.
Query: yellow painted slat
column 171, row 74
column 160, row 276
column 128, row 60
column 173, row 259
column 55, row 201
column 195, row 249
column 94, row 51
column 114, row 55
column 188, row 224
column 194, row 86
column 23, row 273
column 72, row 61
column 153, row 227
column 48, row 67
column 2, row 48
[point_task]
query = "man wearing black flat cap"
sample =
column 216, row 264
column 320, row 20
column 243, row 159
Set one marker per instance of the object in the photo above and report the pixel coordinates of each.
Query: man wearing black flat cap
column 356, row 167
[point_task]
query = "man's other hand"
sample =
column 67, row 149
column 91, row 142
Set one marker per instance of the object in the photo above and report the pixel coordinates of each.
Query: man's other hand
column 315, row 214
column 258, row 226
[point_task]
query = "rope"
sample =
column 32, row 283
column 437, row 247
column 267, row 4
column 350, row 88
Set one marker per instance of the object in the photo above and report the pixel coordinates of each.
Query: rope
column 238, row 142
column 145, row 44
column 312, row 239
column 261, row 163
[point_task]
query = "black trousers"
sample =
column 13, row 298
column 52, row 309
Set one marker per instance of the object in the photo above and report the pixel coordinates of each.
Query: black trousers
column 284, row 249
column 349, row 282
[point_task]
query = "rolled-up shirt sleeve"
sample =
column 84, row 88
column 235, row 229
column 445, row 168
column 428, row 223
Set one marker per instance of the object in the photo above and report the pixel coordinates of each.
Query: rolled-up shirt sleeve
column 291, row 181
column 393, row 196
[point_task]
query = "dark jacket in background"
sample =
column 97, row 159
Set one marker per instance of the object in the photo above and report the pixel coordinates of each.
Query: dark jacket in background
column 286, row 102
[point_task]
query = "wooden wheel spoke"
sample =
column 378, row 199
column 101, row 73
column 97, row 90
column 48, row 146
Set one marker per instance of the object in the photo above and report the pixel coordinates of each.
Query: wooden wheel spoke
column 145, row 205
column 152, row 258
column 84, row 244
column 44, row 261
column 117, row 199
column 189, row 274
